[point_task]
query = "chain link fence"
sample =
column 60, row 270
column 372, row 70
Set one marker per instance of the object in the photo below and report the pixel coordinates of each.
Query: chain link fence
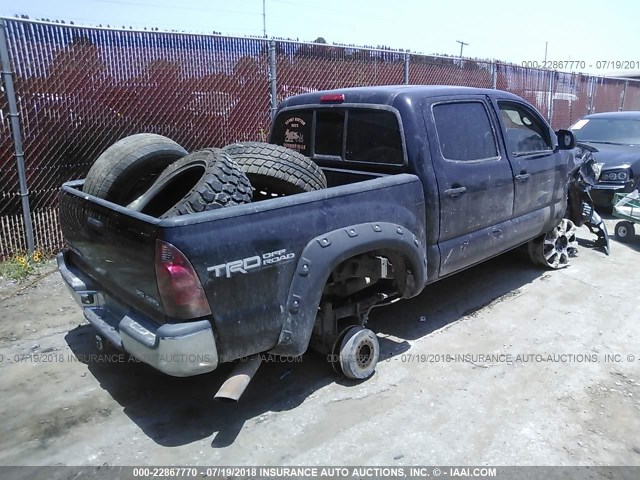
column 79, row 89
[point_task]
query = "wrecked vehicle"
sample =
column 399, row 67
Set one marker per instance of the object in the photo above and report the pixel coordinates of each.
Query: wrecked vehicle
column 423, row 182
column 616, row 136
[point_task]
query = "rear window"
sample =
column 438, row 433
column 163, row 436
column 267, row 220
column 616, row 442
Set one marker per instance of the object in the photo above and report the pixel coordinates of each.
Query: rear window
column 372, row 136
column 329, row 132
column 293, row 130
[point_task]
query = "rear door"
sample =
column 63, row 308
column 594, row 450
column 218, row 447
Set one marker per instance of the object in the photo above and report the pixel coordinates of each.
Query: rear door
column 475, row 182
column 539, row 173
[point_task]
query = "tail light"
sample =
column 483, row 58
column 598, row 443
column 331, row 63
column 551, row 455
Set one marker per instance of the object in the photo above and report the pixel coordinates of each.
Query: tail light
column 179, row 286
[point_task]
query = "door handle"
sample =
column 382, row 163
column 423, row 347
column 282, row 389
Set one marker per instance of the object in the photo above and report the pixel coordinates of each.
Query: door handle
column 496, row 232
column 523, row 177
column 455, row 192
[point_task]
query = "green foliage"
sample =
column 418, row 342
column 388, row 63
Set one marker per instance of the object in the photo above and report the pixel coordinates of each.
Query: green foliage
column 21, row 266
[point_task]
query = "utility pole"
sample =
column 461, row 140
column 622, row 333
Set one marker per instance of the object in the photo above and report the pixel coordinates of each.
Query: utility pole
column 264, row 19
column 462, row 44
column 546, row 45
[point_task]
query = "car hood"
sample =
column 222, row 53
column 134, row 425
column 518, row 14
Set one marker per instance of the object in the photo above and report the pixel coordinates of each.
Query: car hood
column 617, row 156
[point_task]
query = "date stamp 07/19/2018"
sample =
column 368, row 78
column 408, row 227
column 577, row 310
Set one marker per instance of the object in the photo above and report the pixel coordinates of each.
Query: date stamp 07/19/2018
column 582, row 64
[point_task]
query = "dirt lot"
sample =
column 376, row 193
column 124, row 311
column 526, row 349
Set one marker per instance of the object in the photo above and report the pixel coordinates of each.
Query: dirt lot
column 577, row 408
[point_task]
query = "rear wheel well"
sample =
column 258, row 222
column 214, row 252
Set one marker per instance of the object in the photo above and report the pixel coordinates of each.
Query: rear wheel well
column 354, row 287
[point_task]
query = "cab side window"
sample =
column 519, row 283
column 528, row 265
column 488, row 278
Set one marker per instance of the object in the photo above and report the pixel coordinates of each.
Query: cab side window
column 525, row 133
column 373, row 136
column 464, row 131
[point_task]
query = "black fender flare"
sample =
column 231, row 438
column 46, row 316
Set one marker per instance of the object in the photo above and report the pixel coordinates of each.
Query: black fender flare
column 322, row 255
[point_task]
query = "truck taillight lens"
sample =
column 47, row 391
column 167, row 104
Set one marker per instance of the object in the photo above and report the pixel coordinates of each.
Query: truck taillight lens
column 179, row 286
column 332, row 98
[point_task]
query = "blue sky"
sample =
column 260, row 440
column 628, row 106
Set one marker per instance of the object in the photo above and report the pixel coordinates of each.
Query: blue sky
column 504, row 30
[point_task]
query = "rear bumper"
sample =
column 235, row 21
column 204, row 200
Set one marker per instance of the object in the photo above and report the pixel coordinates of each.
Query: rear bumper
column 180, row 349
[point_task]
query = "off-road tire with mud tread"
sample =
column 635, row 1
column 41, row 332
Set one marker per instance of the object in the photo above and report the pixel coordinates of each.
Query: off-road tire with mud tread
column 274, row 170
column 204, row 180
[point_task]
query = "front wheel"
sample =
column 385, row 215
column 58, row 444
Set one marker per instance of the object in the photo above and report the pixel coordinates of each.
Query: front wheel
column 554, row 248
column 359, row 353
column 624, row 231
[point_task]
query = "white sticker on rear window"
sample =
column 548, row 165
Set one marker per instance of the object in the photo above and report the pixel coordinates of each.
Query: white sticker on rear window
column 579, row 124
column 293, row 136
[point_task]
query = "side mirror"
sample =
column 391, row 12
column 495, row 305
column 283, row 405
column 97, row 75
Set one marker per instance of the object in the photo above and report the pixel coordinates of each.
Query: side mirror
column 566, row 140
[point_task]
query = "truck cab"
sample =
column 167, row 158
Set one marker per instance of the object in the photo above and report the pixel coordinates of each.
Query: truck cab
column 492, row 173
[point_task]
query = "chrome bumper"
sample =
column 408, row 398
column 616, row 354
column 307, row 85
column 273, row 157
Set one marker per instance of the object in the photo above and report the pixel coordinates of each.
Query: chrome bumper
column 178, row 349
column 613, row 187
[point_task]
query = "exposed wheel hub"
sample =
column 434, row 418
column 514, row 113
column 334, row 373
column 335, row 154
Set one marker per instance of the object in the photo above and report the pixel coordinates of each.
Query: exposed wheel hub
column 561, row 243
column 364, row 354
column 359, row 353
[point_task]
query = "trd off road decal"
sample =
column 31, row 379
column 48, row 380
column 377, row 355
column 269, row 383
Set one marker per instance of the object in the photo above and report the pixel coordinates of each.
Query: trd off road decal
column 293, row 136
column 245, row 265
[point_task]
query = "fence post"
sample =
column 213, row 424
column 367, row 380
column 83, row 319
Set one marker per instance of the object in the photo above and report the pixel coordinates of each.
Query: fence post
column 550, row 103
column 624, row 94
column 592, row 92
column 272, row 78
column 494, row 74
column 406, row 68
column 7, row 80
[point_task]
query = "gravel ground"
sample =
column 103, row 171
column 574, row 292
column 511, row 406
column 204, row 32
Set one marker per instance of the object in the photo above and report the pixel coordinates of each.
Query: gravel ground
column 571, row 397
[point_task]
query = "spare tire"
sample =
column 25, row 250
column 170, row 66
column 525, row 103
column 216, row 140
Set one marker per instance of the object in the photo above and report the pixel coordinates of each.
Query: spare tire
column 128, row 167
column 275, row 171
column 203, row 180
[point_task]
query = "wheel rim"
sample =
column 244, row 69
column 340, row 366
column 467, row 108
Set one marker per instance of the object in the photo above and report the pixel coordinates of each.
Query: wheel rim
column 560, row 244
column 622, row 231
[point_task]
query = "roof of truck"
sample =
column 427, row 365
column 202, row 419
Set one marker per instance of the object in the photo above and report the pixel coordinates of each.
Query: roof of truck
column 387, row 94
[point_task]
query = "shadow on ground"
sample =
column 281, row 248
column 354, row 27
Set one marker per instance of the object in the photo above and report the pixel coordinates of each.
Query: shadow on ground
column 177, row 411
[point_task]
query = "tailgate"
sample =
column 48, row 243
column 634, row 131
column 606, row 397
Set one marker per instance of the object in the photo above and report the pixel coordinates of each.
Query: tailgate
column 114, row 246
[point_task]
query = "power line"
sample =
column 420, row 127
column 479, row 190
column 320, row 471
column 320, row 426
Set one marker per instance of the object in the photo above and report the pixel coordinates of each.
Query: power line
column 291, row 3
column 178, row 7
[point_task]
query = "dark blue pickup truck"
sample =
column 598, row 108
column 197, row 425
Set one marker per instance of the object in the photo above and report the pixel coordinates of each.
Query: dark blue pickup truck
column 423, row 182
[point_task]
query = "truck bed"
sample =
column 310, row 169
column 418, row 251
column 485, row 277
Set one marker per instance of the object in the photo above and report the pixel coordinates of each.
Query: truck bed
column 114, row 247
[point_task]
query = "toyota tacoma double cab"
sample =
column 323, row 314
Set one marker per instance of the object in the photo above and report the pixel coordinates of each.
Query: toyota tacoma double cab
column 422, row 183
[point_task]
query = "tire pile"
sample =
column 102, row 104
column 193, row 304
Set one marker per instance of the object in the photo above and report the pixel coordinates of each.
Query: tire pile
column 154, row 175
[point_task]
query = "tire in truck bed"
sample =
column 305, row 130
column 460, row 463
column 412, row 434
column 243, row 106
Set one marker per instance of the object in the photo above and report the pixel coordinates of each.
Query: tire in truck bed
column 275, row 171
column 128, row 167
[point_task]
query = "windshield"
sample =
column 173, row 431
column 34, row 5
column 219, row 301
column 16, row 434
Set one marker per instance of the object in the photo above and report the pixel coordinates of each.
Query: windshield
column 608, row 130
